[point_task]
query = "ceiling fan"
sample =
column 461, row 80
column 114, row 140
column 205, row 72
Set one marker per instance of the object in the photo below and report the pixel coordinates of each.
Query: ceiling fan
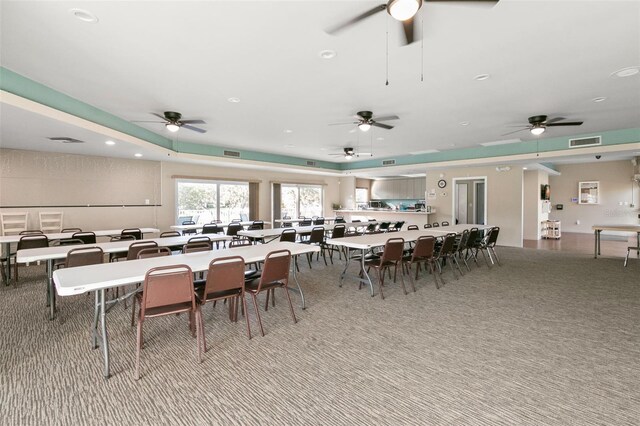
column 349, row 153
column 539, row 123
column 365, row 121
column 173, row 122
column 401, row 10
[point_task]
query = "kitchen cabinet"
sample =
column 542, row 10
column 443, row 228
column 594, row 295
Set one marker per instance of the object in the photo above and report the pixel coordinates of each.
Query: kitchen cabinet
column 398, row 189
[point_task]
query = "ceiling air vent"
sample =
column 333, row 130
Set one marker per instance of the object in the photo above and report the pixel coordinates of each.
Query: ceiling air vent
column 311, row 163
column 66, row 140
column 234, row 154
column 388, row 162
column 582, row 142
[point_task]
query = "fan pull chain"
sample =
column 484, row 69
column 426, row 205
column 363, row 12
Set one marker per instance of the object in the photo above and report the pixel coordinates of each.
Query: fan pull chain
column 421, row 48
column 387, row 24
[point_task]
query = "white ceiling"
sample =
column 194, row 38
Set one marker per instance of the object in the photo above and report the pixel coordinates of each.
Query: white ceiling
column 544, row 57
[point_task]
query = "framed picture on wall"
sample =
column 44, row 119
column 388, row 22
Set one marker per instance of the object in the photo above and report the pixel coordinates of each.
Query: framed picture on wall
column 589, row 192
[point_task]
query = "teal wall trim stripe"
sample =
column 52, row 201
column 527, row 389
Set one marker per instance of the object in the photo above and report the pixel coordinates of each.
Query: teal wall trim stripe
column 37, row 92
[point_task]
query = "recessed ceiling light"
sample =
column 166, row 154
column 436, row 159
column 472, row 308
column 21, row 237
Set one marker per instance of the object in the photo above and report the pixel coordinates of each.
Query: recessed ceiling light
column 327, row 54
column 599, row 99
column 426, row 151
column 137, row 154
column 524, row 168
column 481, row 77
column 352, row 131
column 234, row 100
column 626, row 72
column 501, row 142
column 288, row 131
column 380, row 138
column 289, row 146
column 84, row 15
column 323, row 149
column 110, row 142
column 464, row 123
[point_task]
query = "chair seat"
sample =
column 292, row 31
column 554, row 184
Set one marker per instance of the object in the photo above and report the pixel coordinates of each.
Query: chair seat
column 167, row 310
column 217, row 294
column 253, row 285
column 377, row 263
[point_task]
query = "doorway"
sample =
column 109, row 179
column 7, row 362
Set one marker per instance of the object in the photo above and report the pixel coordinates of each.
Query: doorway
column 469, row 200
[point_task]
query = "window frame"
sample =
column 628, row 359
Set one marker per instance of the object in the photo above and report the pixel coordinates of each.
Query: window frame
column 216, row 182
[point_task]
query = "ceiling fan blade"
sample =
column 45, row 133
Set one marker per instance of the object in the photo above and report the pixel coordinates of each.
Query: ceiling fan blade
column 337, row 28
column 463, row 1
column 381, row 125
column 341, row 124
column 138, row 121
column 387, row 118
column 160, row 116
column 365, row 154
column 553, row 120
column 410, row 31
column 195, row 129
column 516, row 131
column 193, row 122
column 566, row 123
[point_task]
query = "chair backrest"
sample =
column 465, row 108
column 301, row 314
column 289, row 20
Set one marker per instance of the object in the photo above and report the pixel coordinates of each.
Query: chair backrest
column 464, row 240
column 71, row 230
column 84, row 256
column 317, row 235
column 340, row 219
column 257, row 224
column 122, row 238
column 275, row 268
column 338, row 231
column 135, row 248
column 435, row 224
column 318, row 221
column 170, row 234
column 427, row 226
column 225, row 273
column 201, row 240
column 493, row 236
column 136, row 232
column 384, row 226
column 288, row 235
column 31, row 232
column 305, row 222
column 445, row 223
column 398, row 226
column 241, row 242
column 211, row 228
column 154, row 252
column 286, row 224
column 244, row 217
column 473, row 237
column 167, row 285
column 393, row 250
column 371, row 228
column 196, row 246
column 413, row 228
column 233, row 228
column 188, row 222
column 424, row 248
column 86, row 237
column 33, row 241
column 447, row 244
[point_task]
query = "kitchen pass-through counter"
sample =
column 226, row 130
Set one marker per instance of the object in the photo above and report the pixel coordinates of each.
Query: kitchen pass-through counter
column 409, row 217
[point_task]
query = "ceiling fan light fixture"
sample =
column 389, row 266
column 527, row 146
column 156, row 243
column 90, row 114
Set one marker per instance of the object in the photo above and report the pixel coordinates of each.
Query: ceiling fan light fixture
column 537, row 130
column 348, row 156
column 402, row 10
column 364, row 126
column 172, row 127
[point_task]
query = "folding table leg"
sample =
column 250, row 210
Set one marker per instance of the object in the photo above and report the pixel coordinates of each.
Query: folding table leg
column 51, row 290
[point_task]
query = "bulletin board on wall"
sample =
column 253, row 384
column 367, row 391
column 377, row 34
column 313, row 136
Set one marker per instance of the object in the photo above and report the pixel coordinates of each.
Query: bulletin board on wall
column 44, row 179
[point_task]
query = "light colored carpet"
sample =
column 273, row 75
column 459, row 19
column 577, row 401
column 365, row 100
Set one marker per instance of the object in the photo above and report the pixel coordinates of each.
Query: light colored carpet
column 548, row 338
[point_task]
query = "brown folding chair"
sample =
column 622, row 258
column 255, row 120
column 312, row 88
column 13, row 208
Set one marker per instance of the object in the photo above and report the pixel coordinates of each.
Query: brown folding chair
column 135, row 232
column 172, row 234
column 136, row 247
column 392, row 256
column 30, row 241
column 168, row 290
column 225, row 280
column 423, row 252
column 87, row 237
column 275, row 274
column 69, row 230
column 84, row 256
column 153, row 252
column 120, row 255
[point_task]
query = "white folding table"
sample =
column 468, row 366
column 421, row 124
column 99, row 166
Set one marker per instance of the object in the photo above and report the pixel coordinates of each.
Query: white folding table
column 274, row 233
column 99, row 278
column 221, row 225
column 50, row 254
column 6, row 240
column 597, row 229
column 327, row 220
column 366, row 242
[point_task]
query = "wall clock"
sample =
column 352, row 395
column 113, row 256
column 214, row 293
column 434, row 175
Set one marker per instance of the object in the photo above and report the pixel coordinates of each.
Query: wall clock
column 442, row 183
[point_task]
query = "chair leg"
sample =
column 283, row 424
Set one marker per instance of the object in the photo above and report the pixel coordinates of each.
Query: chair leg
column 255, row 305
column 202, row 345
column 266, row 302
column 138, row 348
column 493, row 250
column 380, row 281
column 246, row 315
column 626, row 259
column 309, row 259
column 435, row 276
column 133, row 310
column 293, row 314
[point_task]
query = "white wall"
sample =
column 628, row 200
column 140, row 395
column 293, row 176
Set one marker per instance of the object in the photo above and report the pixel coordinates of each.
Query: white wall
column 616, row 188
column 532, row 205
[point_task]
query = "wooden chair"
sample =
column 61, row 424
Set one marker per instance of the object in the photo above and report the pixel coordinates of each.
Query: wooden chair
column 168, row 290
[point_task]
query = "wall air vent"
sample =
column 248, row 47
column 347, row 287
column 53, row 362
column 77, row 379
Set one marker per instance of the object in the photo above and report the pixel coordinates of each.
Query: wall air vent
column 65, row 139
column 311, row 163
column 234, row 154
column 388, row 162
column 582, row 142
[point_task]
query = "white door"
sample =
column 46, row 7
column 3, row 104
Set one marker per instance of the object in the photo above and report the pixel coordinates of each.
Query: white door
column 461, row 203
